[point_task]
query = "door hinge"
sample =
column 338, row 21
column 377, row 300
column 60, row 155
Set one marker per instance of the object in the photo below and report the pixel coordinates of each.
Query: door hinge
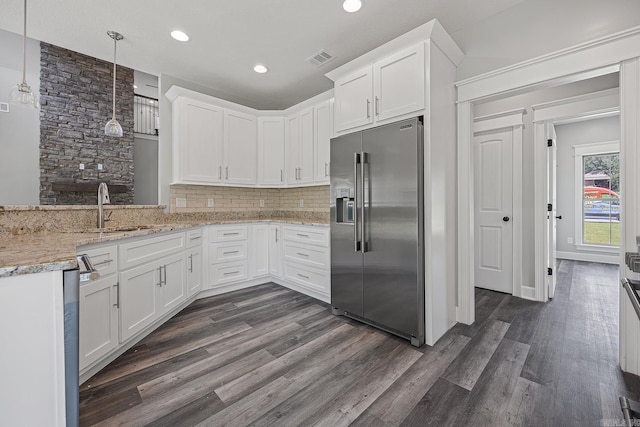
column 549, row 207
column 549, row 142
column 549, row 271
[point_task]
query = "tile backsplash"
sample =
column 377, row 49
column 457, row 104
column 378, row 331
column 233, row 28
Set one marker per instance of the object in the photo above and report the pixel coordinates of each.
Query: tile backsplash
column 239, row 199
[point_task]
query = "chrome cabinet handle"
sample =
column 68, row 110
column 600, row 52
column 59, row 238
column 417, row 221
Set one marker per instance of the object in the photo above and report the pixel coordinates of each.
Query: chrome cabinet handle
column 117, row 286
column 302, row 235
column 276, row 235
column 219, row 172
column 231, row 272
column 106, row 261
column 281, row 176
column 303, row 276
column 301, row 254
column 230, row 234
column 191, row 263
column 160, row 276
column 377, row 106
column 227, row 172
column 195, row 237
column 368, row 108
column 230, row 252
column 326, row 169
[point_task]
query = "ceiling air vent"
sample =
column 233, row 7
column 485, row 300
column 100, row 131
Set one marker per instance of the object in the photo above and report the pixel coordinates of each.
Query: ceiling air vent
column 320, row 58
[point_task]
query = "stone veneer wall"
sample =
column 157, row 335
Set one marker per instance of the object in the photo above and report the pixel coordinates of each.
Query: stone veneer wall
column 76, row 97
column 277, row 201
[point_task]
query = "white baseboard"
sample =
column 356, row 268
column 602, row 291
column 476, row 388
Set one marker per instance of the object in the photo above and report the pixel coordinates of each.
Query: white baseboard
column 527, row 292
column 602, row 258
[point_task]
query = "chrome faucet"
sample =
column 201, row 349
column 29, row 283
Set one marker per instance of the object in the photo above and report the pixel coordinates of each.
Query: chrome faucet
column 103, row 199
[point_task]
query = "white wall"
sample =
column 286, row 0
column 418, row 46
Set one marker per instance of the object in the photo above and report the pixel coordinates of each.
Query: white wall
column 533, row 28
column 526, row 101
column 568, row 136
column 20, row 128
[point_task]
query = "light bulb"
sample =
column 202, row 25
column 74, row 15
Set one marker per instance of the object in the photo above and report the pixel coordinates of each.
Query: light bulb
column 260, row 69
column 113, row 128
column 22, row 94
column 352, row 5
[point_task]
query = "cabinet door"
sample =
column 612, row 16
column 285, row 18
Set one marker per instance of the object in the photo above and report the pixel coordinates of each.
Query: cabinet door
column 271, row 150
column 138, row 298
column 292, row 159
column 194, row 271
column 98, row 319
column 400, row 83
column 173, row 289
column 323, row 131
column 198, row 141
column 240, row 148
column 353, row 100
column 259, row 260
column 275, row 250
column 305, row 174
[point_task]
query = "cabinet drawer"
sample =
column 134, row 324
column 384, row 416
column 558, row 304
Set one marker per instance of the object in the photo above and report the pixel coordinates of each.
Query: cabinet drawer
column 314, row 256
column 140, row 251
column 194, row 238
column 223, row 252
column 104, row 259
column 228, row 272
column 227, row 234
column 315, row 236
column 310, row 277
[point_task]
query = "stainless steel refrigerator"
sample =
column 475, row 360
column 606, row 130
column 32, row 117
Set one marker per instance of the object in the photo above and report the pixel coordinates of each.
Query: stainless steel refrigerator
column 377, row 237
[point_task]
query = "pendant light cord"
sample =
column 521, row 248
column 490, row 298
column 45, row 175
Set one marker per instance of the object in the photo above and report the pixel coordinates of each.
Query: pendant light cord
column 115, row 43
column 24, row 50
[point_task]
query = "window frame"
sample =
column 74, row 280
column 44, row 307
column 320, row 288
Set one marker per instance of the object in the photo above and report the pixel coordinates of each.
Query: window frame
column 579, row 152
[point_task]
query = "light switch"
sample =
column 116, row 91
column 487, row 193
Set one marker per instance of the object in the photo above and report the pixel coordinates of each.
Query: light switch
column 181, row 202
column 301, row 203
column 262, row 203
column 81, row 166
column 100, row 166
column 4, row 107
column 210, row 203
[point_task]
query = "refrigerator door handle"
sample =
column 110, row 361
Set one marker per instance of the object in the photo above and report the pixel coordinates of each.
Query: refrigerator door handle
column 356, row 242
column 365, row 201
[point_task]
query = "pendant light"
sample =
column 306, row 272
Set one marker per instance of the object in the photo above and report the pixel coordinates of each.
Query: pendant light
column 22, row 94
column 113, row 128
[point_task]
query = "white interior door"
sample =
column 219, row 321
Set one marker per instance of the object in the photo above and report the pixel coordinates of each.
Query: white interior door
column 493, row 210
column 551, row 230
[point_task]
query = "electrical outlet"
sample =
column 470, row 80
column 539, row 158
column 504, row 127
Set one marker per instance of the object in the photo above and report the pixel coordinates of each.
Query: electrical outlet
column 81, row 166
column 100, row 166
column 301, row 203
column 181, row 202
column 262, row 203
column 209, row 203
column 570, row 240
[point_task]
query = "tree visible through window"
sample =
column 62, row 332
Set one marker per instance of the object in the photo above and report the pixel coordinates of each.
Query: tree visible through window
column 601, row 199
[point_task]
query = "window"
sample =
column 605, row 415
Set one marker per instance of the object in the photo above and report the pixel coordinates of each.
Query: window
column 597, row 179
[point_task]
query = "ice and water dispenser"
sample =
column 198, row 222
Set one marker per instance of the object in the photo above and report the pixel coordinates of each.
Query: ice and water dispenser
column 345, row 205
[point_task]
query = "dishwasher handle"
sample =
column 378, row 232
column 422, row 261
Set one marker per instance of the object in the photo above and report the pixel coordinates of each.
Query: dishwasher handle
column 87, row 269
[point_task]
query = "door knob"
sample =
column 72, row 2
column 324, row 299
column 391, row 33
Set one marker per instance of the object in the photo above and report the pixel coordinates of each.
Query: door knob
column 559, row 217
column 505, row 218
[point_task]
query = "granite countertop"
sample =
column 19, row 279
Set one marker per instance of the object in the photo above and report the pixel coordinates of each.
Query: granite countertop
column 51, row 251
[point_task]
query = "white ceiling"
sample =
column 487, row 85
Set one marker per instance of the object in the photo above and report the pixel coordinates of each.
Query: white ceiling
column 229, row 37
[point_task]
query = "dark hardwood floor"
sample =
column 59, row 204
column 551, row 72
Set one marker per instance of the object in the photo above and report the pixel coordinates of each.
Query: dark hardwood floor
column 270, row 356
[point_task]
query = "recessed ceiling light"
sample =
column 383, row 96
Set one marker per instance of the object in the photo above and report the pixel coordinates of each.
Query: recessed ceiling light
column 180, row 36
column 260, row 69
column 352, row 5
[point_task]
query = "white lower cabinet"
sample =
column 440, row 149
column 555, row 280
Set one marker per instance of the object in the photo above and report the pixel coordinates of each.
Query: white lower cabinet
column 139, row 305
column 259, row 260
column 228, row 254
column 275, row 250
column 306, row 259
column 98, row 319
column 194, row 271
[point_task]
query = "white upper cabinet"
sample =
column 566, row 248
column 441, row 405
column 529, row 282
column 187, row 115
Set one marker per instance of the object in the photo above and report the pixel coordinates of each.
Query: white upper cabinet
column 323, row 114
column 240, row 148
column 299, row 159
column 399, row 83
column 197, row 139
column 354, row 94
column 390, row 88
column 271, row 150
